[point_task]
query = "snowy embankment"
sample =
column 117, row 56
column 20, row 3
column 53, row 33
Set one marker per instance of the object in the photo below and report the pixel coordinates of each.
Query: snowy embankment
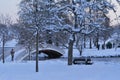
column 17, row 48
column 59, row 70
column 11, row 43
column 95, row 52
column 8, row 46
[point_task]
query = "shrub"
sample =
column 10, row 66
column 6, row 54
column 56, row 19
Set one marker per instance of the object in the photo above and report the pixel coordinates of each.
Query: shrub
column 109, row 45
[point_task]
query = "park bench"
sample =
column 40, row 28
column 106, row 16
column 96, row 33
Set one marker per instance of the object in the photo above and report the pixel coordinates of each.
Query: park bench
column 86, row 61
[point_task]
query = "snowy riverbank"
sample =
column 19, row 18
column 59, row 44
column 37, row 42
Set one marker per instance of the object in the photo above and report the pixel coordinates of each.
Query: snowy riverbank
column 94, row 52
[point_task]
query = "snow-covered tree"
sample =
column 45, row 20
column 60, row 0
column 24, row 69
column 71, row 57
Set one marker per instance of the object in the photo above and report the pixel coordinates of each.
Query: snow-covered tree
column 30, row 18
column 89, row 17
column 116, row 36
column 5, row 22
column 72, row 16
column 37, row 16
column 3, row 38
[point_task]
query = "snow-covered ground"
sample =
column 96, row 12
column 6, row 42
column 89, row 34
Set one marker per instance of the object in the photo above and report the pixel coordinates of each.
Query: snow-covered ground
column 59, row 70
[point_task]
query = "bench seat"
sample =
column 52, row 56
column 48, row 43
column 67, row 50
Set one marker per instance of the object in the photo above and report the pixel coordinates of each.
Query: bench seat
column 86, row 61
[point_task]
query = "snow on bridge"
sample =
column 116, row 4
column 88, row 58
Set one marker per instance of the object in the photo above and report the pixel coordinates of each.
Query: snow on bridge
column 52, row 47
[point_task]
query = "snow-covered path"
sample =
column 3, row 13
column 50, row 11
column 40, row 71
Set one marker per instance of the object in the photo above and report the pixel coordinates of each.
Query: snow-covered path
column 16, row 55
column 59, row 70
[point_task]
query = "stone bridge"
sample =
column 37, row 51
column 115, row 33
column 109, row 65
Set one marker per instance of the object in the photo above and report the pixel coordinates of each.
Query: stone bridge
column 49, row 50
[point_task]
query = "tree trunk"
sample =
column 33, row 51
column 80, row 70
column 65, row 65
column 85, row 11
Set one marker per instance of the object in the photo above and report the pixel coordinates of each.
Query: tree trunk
column 90, row 43
column 29, row 50
column 84, row 41
column 70, row 52
column 81, row 50
column 3, row 56
column 37, row 35
column 104, row 45
column 37, row 51
column 97, row 43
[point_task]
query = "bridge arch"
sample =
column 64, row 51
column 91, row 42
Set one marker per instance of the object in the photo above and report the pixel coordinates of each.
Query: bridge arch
column 51, row 50
column 51, row 53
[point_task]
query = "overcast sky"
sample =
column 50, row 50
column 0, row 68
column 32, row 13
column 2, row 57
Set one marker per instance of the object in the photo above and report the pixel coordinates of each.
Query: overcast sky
column 10, row 7
column 112, row 14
